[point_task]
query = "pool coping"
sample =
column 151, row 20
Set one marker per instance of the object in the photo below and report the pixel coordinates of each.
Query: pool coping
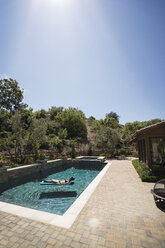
column 66, row 220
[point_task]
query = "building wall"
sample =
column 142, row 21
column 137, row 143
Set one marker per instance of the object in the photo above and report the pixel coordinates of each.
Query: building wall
column 146, row 135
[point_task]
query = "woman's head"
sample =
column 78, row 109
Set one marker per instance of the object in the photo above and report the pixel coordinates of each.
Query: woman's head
column 71, row 178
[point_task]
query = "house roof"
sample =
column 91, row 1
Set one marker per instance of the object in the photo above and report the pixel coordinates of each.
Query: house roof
column 159, row 124
column 145, row 129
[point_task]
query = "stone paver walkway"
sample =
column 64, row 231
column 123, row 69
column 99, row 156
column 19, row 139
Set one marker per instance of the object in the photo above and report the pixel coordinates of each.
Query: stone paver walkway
column 120, row 213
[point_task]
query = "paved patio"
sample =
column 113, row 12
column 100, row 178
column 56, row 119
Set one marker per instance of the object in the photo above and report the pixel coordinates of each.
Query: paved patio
column 120, row 213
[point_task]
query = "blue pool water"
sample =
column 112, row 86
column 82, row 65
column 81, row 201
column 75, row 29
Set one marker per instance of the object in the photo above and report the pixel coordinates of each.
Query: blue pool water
column 50, row 198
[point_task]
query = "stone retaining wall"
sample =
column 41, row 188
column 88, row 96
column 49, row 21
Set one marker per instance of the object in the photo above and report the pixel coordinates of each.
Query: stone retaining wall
column 8, row 174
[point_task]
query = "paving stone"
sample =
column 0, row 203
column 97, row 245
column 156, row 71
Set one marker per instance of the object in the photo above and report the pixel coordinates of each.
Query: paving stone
column 25, row 244
column 4, row 242
column 146, row 244
column 45, row 237
column 41, row 244
column 162, row 243
column 77, row 237
column 55, row 234
column 39, row 234
column 68, row 241
column 13, row 239
column 49, row 246
column 35, row 241
column 84, row 240
column 52, row 241
column 85, row 234
column 121, row 213
column 49, row 231
column 84, row 246
column 30, row 237
column 99, row 246
column 59, row 244
column 70, row 234
column 18, row 231
column 101, row 241
column 61, row 237
column 148, row 233
column 75, row 244
column 93, row 237
column 9, row 234
column 11, row 245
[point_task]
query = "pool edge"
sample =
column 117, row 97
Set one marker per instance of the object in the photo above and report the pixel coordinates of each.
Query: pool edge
column 66, row 220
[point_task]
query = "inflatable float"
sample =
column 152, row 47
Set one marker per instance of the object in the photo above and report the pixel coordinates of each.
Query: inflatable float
column 51, row 183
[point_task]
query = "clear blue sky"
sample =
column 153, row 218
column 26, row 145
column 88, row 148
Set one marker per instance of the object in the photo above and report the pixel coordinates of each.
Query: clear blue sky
column 96, row 55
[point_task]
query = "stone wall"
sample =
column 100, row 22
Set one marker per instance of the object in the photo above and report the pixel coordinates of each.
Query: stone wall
column 8, row 174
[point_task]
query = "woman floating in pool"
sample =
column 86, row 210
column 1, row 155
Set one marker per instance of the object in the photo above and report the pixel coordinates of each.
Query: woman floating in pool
column 59, row 181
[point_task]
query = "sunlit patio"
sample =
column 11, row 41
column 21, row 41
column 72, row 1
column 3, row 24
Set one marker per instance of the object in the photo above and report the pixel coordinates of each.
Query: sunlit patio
column 121, row 212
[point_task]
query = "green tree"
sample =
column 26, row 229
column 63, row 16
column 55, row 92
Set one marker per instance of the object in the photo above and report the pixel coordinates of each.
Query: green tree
column 41, row 114
column 59, row 141
column 37, row 136
column 54, row 111
column 4, row 121
column 72, row 149
column 56, row 143
column 107, row 139
column 73, row 121
column 113, row 115
column 26, row 136
column 19, row 136
column 11, row 95
column 14, row 139
column 111, row 122
column 62, row 133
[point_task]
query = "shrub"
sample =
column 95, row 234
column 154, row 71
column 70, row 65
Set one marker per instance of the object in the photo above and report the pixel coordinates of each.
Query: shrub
column 42, row 155
column 144, row 172
column 7, row 162
column 2, row 161
column 63, row 154
column 90, row 150
column 29, row 160
column 72, row 150
column 52, row 156
column 106, row 155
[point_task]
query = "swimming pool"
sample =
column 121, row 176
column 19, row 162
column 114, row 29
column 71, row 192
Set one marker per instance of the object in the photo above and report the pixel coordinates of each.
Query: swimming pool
column 66, row 220
column 50, row 198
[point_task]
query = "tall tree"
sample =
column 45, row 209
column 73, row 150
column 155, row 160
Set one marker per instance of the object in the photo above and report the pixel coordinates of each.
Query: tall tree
column 113, row 115
column 108, row 139
column 73, row 120
column 41, row 114
column 11, row 95
column 54, row 111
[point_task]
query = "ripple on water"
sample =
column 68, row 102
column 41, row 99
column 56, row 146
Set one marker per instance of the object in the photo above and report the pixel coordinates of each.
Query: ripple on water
column 50, row 198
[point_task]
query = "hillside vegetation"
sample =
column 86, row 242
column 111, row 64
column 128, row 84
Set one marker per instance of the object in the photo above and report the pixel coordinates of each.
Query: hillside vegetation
column 26, row 136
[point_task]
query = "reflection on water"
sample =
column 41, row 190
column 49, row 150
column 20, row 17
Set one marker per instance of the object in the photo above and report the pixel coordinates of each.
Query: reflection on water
column 58, row 194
